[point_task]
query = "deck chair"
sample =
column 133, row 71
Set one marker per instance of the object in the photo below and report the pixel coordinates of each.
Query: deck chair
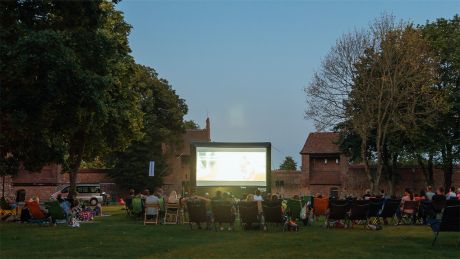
column 450, row 221
column 338, row 210
column 273, row 214
column 389, row 209
column 137, row 206
column 320, row 206
column 222, row 212
column 375, row 206
column 359, row 211
column 409, row 212
column 172, row 213
column 293, row 209
column 197, row 213
column 249, row 214
column 55, row 211
column 149, row 217
column 5, row 208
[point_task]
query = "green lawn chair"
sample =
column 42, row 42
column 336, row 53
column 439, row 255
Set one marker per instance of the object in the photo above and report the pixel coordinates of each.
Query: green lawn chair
column 56, row 212
column 137, row 206
column 293, row 209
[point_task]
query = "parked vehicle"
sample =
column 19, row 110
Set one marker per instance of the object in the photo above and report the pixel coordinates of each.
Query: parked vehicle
column 85, row 192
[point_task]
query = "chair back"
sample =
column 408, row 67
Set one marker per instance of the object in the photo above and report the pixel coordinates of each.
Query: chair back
column 197, row 211
column 338, row 210
column 389, row 208
column 248, row 212
column 272, row 212
column 222, row 211
column 320, row 206
column 137, row 205
column 359, row 210
column 410, row 206
column 35, row 211
column 306, row 199
column 451, row 219
column 293, row 208
column 375, row 206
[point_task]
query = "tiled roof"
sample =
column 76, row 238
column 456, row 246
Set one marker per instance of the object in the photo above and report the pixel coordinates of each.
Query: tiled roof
column 321, row 143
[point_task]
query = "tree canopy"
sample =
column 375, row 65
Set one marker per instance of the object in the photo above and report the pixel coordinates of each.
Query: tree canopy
column 70, row 89
column 288, row 164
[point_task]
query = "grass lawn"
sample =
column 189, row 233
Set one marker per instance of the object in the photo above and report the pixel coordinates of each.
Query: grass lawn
column 121, row 236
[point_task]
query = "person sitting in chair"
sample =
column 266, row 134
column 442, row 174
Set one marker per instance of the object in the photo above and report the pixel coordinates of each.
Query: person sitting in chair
column 151, row 199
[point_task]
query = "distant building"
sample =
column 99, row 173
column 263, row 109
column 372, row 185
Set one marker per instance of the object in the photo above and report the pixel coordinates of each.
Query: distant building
column 326, row 170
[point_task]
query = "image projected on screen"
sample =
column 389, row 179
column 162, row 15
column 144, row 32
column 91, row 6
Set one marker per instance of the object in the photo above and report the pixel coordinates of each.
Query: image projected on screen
column 231, row 166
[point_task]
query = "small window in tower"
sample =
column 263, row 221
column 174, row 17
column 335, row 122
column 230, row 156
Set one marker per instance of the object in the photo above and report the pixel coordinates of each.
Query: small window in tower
column 337, row 161
column 325, row 160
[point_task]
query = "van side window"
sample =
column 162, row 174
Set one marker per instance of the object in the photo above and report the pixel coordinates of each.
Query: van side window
column 65, row 190
column 94, row 189
column 82, row 189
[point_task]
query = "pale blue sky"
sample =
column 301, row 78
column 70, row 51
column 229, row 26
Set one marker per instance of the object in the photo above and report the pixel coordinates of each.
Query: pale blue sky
column 245, row 63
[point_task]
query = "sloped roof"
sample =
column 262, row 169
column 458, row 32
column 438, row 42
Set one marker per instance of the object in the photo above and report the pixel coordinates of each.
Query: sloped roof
column 321, row 143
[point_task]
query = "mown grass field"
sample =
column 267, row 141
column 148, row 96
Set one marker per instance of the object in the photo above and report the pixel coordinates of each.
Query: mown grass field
column 119, row 236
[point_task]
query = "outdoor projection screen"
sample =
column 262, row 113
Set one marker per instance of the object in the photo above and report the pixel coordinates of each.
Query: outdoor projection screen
column 231, row 164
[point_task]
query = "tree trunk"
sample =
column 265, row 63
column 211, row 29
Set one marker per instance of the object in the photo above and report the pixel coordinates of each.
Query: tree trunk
column 76, row 153
column 447, row 165
column 426, row 169
column 367, row 170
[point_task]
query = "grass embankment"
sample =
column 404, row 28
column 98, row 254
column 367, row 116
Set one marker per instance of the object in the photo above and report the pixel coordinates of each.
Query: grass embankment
column 121, row 236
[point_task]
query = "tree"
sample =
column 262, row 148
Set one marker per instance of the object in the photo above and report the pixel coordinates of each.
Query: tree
column 163, row 124
column 288, row 164
column 444, row 37
column 393, row 91
column 65, row 76
column 330, row 87
column 191, row 124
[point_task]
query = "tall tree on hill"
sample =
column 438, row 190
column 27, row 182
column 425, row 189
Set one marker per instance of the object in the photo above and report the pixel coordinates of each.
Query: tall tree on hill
column 65, row 76
column 163, row 127
column 444, row 37
column 288, row 164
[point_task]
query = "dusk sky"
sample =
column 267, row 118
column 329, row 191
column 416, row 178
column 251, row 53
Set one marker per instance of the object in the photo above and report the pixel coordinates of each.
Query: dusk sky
column 245, row 63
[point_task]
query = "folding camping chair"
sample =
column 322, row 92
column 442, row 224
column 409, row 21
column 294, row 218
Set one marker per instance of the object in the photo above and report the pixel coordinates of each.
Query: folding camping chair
column 197, row 213
column 338, row 211
column 172, row 213
column 222, row 212
column 359, row 211
column 273, row 214
column 409, row 212
column 450, row 221
column 249, row 214
column 320, row 206
column 389, row 209
column 151, row 214
column 293, row 209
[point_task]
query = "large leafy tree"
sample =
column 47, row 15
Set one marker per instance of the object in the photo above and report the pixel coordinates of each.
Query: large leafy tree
column 65, row 78
column 162, row 132
column 393, row 91
column 443, row 35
